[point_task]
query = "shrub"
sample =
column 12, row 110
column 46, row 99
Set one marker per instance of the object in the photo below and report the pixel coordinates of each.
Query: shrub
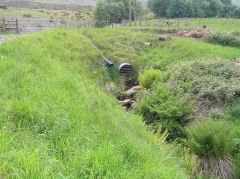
column 213, row 142
column 3, row 6
column 236, row 33
column 208, row 138
column 163, row 107
column 216, row 81
column 147, row 78
column 234, row 111
column 65, row 13
column 27, row 15
column 236, row 13
column 225, row 40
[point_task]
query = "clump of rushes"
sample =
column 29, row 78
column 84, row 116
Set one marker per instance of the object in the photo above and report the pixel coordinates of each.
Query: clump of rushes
column 150, row 76
column 213, row 142
column 161, row 106
column 223, row 39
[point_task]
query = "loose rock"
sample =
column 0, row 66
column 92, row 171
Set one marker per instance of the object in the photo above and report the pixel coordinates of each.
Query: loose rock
column 132, row 91
column 126, row 102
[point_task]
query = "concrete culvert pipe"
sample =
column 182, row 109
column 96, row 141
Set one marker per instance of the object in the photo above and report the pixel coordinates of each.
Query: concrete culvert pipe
column 148, row 43
column 126, row 69
column 162, row 39
column 108, row 63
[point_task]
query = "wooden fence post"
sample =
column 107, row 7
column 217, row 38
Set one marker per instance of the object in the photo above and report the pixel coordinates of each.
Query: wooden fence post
column 3, row 24
column 17, row 26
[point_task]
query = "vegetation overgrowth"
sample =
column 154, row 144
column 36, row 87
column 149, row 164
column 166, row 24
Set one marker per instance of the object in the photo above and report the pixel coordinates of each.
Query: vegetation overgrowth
column 203, row 94
column 225, row 40
column 46, row 88
column 58, row 121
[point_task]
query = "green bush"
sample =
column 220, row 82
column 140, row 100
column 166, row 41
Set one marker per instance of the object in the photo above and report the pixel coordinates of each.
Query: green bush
column 225, row 40
column 236, row 33
column 147, row 78
column 27, row 15
column 163, row 107
column 215, row 80
column 236, row 13
column 208, row 138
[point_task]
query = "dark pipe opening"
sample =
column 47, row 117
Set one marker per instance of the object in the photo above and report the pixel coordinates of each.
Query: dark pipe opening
column 108, row 63
column 162, row 39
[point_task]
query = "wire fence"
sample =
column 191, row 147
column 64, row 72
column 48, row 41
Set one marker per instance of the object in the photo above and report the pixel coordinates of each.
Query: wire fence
column 30, row 25
column 222, row 25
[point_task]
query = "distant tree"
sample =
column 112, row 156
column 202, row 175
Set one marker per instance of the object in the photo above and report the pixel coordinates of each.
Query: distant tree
column 192, row 8
column 135, row 12
column 226, row 2
column 114, row 11
column 189, row 10
column 130, row 13
column 227, row 11
column 215, row 7
column 177, row 8
column 159, row 7
column 150, row 4
column 198, row 8
column 140, row 10
column 236, row 13
column 100, row 15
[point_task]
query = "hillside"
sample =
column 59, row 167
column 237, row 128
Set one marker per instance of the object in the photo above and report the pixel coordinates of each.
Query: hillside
column 62, row 114
column 47, row 5
column 57, row 120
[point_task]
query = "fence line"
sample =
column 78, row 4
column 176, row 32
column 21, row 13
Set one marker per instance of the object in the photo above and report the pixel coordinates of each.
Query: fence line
column 10, row 25
column 37, row 25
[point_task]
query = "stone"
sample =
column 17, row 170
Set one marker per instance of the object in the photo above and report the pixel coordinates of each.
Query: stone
column 132, row 91
column 126, row 102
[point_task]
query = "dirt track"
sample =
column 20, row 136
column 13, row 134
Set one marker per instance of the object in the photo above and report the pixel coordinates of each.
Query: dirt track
column 3, row 38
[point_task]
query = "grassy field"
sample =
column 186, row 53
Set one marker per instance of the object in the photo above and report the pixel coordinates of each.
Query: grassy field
column 57, row 119
column 44, row 13
column 215, row 24
column 127, row 45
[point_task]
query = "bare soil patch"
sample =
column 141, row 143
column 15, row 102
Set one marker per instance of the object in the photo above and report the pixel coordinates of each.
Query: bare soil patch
column 196, row 34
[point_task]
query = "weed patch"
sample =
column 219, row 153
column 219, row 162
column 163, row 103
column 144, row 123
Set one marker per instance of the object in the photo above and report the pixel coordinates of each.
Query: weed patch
column 225, row 40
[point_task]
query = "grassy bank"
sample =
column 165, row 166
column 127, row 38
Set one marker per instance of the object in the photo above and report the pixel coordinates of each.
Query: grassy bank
column 57, row 121
column 127, row 45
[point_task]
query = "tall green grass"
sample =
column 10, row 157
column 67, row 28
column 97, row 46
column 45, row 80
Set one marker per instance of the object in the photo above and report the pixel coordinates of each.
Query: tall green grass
column 57, row 121
column 122, row 45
